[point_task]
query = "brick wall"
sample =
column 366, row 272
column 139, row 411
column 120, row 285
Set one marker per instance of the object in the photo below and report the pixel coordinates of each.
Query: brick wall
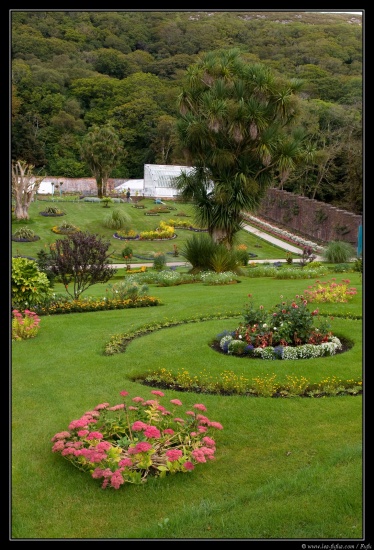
column 313, row 219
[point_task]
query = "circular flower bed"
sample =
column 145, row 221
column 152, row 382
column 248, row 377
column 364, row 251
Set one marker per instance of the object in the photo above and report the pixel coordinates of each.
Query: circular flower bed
column 229, row 346
column 288, row 331
column 65, row 229
column 126, row 443
column 52, row 214
column 25, row 240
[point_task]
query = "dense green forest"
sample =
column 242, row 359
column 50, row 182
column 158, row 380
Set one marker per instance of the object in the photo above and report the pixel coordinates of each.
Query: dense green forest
column 73, row 70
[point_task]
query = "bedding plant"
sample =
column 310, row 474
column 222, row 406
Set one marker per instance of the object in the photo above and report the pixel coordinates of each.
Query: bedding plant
column 288, row 331
column 126, row 443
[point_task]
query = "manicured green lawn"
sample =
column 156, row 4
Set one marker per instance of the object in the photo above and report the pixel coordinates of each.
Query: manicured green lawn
column 89, row 217
column 288, row 468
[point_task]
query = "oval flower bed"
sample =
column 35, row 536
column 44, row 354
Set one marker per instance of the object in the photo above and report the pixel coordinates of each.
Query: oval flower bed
column 25, row 239
column 126, row 443
column 65, row 229
column 287, row 332
column 52, row 211
column 229, row 345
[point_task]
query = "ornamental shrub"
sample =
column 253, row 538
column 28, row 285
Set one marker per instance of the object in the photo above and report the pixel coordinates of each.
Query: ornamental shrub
column 338, row 252
column 29, row 285
column 25, row 233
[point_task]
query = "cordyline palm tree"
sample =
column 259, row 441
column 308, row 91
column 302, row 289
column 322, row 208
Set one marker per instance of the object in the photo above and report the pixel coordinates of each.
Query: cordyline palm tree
column 101, row 150
column 235, row 126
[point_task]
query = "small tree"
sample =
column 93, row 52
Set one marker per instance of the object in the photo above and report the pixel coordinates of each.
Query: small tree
column 82, row 259
column 101, row 150
column 24, row 187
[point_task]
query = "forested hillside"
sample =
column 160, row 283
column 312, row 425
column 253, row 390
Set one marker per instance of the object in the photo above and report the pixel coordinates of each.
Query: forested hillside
column 72, row 70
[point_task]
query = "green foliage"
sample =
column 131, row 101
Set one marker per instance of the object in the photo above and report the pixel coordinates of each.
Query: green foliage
column 54, row 210
column 29, row 285
column 106, row 201
column 128, row 290
column 91, row 72
column 117, row 219
column 235, row 133
column 24, row 233
column 206, row 255
column 127, row 252
column 159, row 261
column 102, row 150
column 359, row 265
column 223, row 260
column 338, row 252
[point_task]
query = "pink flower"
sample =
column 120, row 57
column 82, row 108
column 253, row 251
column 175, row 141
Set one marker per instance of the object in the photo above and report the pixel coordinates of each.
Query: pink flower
column 159, row 393
column 198, row 455
column 208, row 453
column 191, row 413
column 117, row 480
column 125, row 462
column 200, row 407
column 98, row 473
column 141, row 447
column 116, row 407
column 203, row 419
column 152, row 432
column 124, row 393
column 137, row 399
column 83, row 433
column 95, row 435
column 138, row 426
column 202, row 429
column 188, row 465
column 101, row 406
column 175, row 402
column 168, row 431
column 173, row 454
column 180, row 420
column 209, row 442
column 216, row 425
column 61, row 435
column 103, row 446
column 58, row 446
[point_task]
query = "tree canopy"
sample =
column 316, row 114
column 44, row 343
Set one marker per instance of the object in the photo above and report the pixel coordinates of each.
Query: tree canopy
column 234, row 124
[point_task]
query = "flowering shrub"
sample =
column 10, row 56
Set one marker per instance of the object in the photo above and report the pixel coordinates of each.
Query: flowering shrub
column 330, row 291
column 26, row 326
column 127, row 443
column 269, row 334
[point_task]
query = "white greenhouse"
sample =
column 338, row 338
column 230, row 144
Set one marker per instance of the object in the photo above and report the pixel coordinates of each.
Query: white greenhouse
column 159, row 179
